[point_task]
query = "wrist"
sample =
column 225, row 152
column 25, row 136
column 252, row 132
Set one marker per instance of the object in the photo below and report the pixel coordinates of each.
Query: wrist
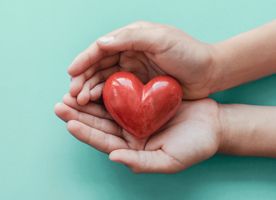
column 224, row 124
column 218, row 60
column 210, row 69
column 238, row 125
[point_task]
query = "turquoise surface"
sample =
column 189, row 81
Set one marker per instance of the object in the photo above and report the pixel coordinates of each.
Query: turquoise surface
column 39, row 159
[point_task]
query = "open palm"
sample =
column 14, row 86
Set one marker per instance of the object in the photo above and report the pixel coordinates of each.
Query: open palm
column 190, row 137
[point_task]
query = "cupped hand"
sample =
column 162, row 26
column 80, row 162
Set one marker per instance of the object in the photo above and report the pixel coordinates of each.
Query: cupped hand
column 147, row 50
column 191, row 136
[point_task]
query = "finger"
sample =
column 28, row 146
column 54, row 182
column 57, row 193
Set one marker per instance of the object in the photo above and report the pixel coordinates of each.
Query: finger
column 76, row 84
column 90, row 108
column 96, row 92
column 95, row 138
column 88, row 57
column 67, row 113
column 146, row 161
column 64, row 113
column 101, row 76
column 78, row 81
column 93, row 53
column 152, row 40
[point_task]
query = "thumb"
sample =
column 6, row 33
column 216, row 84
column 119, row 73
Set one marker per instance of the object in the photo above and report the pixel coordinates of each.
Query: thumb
column 146, row 161
column 152, row 40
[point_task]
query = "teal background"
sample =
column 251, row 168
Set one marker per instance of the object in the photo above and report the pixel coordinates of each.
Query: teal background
column 39, row 159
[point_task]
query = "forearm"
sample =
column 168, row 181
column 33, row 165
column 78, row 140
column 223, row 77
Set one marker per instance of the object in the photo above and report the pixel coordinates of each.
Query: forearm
column 245, row 57
column 248, row 130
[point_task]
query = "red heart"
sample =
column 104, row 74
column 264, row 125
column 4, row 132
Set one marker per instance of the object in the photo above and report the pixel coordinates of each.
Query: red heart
column 141, row 109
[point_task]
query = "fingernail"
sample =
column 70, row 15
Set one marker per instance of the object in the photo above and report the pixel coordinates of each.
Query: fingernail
column 106, row 39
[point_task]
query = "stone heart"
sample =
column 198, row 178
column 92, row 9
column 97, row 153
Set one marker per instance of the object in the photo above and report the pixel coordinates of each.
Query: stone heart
column 141, row 109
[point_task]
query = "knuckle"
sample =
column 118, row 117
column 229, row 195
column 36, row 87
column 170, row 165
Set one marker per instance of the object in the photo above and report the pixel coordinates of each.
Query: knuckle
column 84, row 57
column 87, row 74
column 79, row 116
column 127, row 32
column 143, row 162
column 141, row 24
column 106, row 143
column 96, row 123
column 99, row 123
column 99, row 65
column 136, row 24
column 98, row 76
column 92, row 121
column 165, row 31
column 119, row 131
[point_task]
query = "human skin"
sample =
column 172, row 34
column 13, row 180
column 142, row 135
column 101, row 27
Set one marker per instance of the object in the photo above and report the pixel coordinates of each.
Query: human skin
column 197, row 131
column 173, row 52
column 200, row 128
column 191, row 136
column 148, row 49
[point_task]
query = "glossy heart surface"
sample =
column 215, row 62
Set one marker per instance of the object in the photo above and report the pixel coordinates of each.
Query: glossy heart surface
column 141, row 109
